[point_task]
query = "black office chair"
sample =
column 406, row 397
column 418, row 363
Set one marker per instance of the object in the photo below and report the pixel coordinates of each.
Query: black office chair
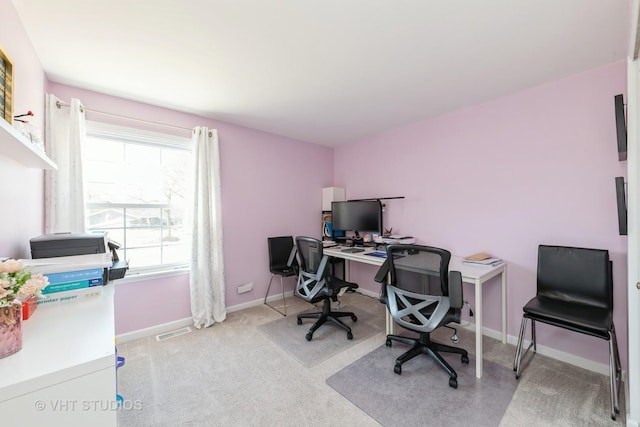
column 315, row 284
column 574, row 292
column 422, row 295
column 279, row 251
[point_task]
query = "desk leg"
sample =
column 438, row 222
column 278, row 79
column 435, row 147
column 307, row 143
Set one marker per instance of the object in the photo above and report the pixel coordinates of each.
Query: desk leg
column 504, row 305
column 478, row 328
column 389, row 323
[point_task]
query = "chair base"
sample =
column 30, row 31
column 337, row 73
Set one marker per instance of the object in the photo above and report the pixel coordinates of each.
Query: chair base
column 424, row 345
column 615, row 370
column 327, row 316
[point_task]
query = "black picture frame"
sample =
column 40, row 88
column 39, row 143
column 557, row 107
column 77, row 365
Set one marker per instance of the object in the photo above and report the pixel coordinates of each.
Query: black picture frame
column 621, row 201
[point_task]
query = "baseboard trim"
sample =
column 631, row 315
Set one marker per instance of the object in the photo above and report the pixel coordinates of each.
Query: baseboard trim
column 154, row 330
column 181, row 323
column 562, row 356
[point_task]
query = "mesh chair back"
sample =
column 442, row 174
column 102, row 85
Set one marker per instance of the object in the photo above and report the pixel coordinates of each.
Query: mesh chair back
column 420, row 268
column 311, row 254
column 279, row 250
column 417, row 295
column 575, row 274
column 313, row 267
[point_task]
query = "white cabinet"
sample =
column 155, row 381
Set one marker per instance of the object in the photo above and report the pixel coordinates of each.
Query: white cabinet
column 332, row 194
column 65, row 374
column 15, row 145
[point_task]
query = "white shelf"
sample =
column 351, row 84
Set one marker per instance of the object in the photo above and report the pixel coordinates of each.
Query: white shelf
column 16, row 146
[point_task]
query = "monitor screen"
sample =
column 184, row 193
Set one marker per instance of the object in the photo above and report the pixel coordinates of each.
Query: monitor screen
column 360, row 215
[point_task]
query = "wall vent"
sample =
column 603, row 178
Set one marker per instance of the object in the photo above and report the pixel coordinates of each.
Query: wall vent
column 173, row 334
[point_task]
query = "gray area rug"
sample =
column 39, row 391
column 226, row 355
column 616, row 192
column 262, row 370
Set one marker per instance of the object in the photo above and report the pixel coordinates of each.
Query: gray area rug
column 421, row 396
column 327, row 341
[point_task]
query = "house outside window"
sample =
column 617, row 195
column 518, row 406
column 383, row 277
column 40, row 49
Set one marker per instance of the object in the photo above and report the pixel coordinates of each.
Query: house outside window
column 136, row 189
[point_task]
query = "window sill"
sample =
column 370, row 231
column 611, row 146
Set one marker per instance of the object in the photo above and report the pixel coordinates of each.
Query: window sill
column 143, row 277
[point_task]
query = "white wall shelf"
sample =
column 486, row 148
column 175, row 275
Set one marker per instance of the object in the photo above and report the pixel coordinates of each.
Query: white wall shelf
column 17, row 147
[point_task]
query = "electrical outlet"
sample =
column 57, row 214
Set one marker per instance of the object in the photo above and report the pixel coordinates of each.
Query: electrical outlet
column 247, row 287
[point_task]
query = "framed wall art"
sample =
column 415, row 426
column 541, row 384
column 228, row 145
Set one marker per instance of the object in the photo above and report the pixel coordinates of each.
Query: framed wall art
column 6, row 88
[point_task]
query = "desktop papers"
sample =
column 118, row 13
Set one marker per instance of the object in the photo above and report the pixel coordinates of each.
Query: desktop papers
column 395, row 238
column 379, row 254
column 382, row 254
column 69, row 263
column 482, row 258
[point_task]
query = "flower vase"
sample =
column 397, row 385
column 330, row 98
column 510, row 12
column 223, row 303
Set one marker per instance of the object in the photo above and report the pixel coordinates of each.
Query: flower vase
column 10, row 329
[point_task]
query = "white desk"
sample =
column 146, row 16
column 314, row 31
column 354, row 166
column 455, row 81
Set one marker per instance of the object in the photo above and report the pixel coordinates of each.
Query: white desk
column 476, row 275
column 65, row 374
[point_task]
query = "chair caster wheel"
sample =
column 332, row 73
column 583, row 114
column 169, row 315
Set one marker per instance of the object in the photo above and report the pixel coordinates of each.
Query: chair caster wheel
column 349, row 336
column 354, row 318
column 465, row 359
column 387, row 343
column 309, row 336
column 517, row 376
column 299, row 321
column 453, row 382
column 398, row 369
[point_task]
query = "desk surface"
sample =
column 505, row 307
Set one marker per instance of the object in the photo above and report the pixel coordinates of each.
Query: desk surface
column 63, row 340
column 470, row 273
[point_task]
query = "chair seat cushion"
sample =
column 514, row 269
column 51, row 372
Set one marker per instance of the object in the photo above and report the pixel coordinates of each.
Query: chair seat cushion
column 332, row 288
column 283, row 271
column 584, row 318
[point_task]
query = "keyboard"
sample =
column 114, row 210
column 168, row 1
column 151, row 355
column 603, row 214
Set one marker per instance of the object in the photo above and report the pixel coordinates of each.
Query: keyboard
column 352, row 250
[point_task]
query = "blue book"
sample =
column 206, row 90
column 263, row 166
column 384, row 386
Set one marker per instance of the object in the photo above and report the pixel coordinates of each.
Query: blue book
column 71, row 276
column 71, row 286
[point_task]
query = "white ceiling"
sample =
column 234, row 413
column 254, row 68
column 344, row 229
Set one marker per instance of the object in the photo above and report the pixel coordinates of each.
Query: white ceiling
column 329, row 71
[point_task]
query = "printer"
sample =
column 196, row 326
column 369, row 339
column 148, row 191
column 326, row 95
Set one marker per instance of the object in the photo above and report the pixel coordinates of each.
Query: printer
column 92, row 245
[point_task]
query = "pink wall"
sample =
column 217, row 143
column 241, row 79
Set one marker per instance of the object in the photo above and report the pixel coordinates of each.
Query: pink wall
column 21, row 215
column 271, row 186
column 268, row 189
column 504, row 176
column 536, row 167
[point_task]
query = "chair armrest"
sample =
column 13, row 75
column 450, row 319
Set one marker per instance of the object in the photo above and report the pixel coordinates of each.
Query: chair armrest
column 292, row 262
column 322, row 268
column 381, row 277
column 455, row 289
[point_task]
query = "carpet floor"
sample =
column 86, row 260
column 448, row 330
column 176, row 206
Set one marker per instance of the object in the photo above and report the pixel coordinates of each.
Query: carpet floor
column 421, row 396
column 234, row 374
column 328, row 340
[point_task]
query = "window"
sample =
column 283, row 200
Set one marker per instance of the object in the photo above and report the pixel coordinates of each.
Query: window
column 137, row 183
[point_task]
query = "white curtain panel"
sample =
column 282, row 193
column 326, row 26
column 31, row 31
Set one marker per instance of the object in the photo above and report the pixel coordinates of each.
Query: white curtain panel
column 207, row 273
column 65, row 135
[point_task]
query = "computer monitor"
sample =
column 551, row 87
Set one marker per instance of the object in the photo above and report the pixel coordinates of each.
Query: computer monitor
column 357, row 216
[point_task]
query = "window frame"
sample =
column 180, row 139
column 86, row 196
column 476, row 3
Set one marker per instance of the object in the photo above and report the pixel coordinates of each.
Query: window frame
column 130, row 135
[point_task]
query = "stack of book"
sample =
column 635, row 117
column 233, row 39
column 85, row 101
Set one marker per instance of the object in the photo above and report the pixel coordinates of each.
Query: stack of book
column 71, row 278
column 482, row 258
column 72, row 285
